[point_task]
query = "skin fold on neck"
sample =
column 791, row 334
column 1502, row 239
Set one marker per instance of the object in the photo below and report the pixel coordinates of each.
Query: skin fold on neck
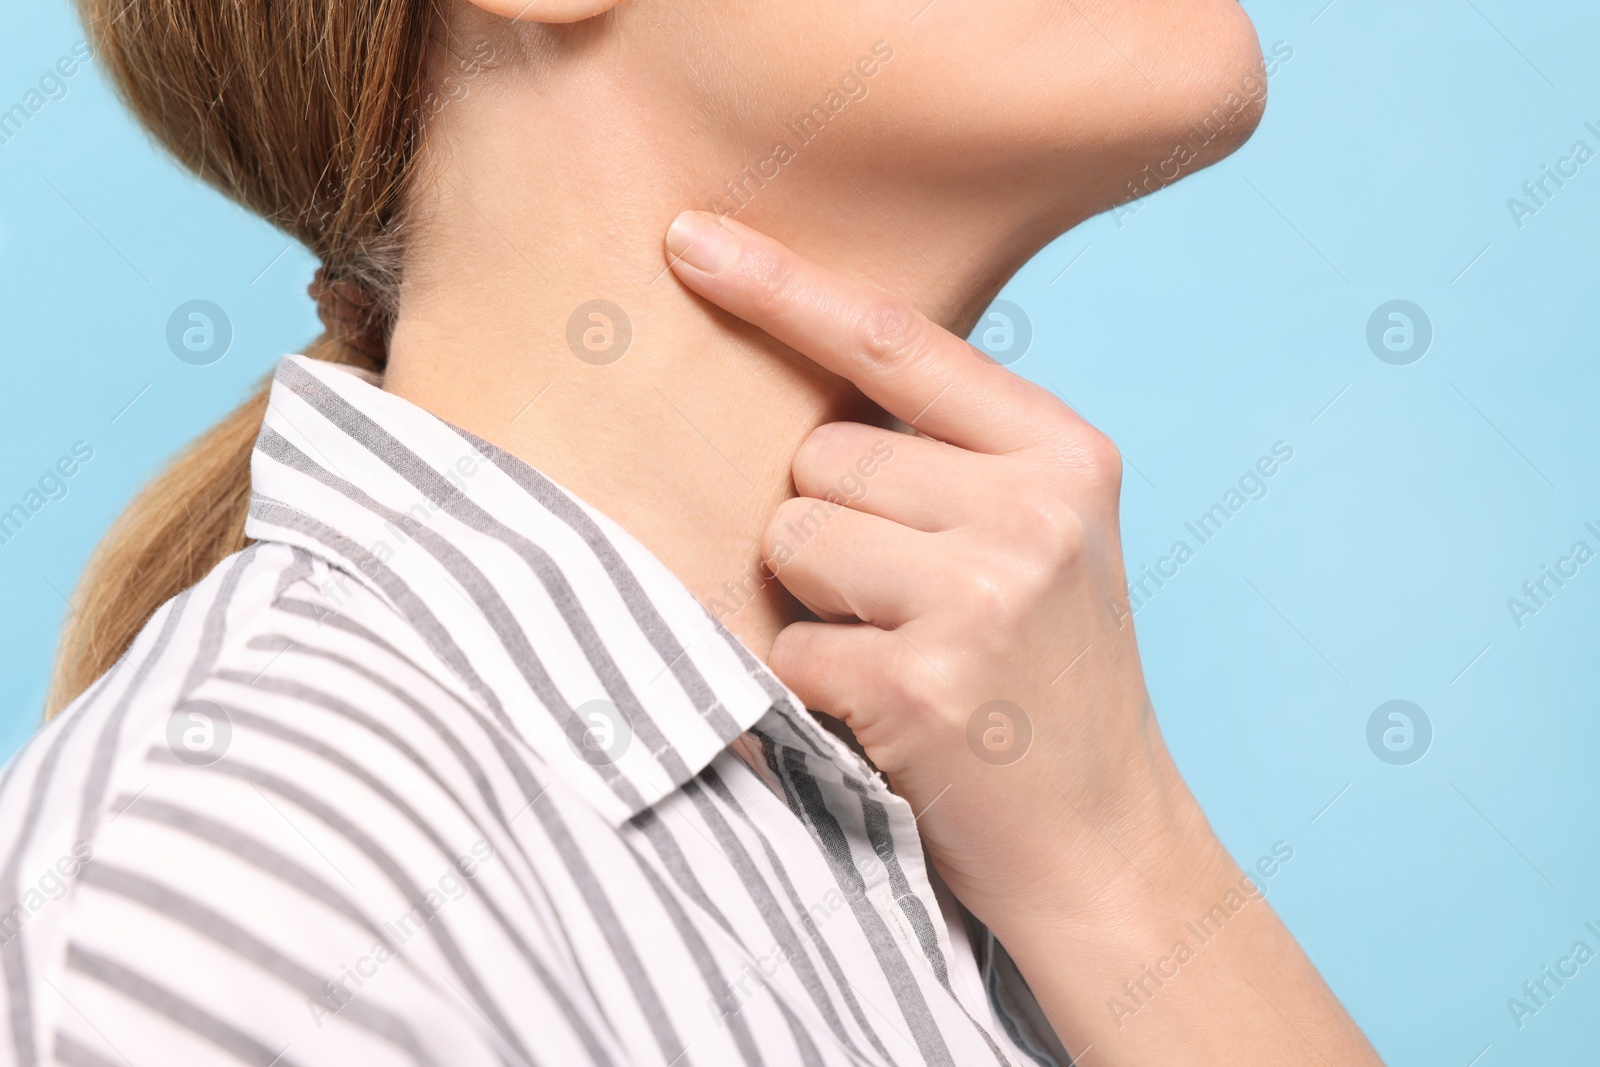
column 686, row 440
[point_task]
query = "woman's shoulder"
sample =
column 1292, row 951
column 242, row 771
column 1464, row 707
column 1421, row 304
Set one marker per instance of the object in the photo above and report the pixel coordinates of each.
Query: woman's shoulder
column 223, row 776
column 269, row 627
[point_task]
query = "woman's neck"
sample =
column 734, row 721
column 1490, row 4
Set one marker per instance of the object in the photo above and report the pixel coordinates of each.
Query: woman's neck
column 686, row 439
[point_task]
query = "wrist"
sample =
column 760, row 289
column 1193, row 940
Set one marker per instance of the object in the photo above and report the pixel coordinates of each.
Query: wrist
column 1130, row 861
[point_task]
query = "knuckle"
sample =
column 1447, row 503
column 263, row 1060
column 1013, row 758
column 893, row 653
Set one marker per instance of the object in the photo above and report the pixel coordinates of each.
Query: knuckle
column 822, row 445
column 908, row 680
column 794, row 524
column 834, row 459
column 1038, row 519
column 1099, row 458
column 1054, row 526
column 772, row 536
column 987, row 597
column 888, row 335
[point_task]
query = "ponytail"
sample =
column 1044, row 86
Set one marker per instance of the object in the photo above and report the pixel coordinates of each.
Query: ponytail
column 306, row 112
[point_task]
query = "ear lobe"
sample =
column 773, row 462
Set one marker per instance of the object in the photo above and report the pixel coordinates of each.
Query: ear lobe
column 552, row 11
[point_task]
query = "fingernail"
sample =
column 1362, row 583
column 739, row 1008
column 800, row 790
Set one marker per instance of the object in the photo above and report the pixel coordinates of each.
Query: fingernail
column 700, row 241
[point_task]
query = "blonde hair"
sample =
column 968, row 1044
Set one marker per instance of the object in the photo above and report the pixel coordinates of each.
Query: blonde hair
column 307, row 112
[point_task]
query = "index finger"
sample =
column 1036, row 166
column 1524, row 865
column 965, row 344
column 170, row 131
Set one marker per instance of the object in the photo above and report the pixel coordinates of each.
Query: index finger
column 914, row 369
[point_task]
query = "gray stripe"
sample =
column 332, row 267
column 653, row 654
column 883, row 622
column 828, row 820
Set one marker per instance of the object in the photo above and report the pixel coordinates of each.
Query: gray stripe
column 808, row 922
column 1026, row 1040
column 245, row 717
column 411, row 606
column 249, row 851
column 12, row 954
column 406, row 763
column 474, row 770
column 105, row 749
column 715, row 982
column 769, row 750
column 212, row 630
column 876, row 819
column 439, row 639
column 303, row 567
column 804, row 727
column 428, row 481
column 15, row 959
column 94, row 790
column 326, row 701
column 334, row 706
column 802, row 1040
column 640, row 606
column 72, row 1054
column 305, row 609
column 165, row 1002
column 453, row 742
column 223, row 931
column 836, row 849
column 381, row 859
column 89, row 698
column 766, row 903
column 677, row 864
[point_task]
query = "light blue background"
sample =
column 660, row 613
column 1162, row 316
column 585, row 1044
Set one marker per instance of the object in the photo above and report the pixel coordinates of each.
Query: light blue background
column 1227, row 314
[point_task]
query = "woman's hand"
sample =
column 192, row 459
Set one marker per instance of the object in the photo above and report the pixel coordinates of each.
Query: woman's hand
column 979, row 646
column 993, row 673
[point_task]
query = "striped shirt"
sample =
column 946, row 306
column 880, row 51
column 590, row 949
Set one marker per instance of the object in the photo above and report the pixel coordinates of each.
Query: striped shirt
column 446, row 768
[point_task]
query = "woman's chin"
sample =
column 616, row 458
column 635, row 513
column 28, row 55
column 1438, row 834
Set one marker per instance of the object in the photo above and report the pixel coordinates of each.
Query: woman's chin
column 1225, row 93
column 1209, row 103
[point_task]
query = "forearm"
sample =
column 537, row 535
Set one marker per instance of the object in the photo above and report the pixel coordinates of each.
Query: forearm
column 1158, row 948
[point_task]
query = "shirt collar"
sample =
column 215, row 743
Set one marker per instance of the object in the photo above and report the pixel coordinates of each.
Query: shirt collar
column 564, row 627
